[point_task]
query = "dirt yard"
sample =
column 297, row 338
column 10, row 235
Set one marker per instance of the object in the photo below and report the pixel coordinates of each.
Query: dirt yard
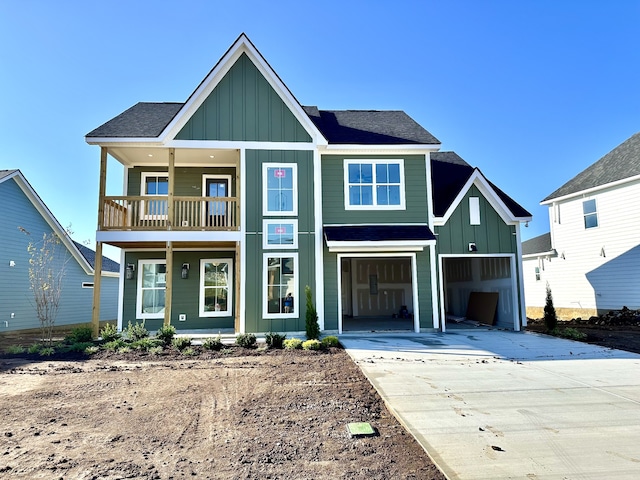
column 272, row 415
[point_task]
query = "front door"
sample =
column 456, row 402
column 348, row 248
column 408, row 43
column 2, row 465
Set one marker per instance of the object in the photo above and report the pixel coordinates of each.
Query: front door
column 217, row 212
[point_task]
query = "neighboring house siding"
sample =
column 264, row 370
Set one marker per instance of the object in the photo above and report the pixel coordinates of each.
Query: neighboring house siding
column 15, row 295
column 492, row 236
column 333, row 202
column 601, row 265
column 244, row 107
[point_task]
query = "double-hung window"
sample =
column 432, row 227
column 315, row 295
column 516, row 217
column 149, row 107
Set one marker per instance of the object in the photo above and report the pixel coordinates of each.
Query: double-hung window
column 154, row 184
column 152, row 285
column 281, row 282
column 216, row 287
column 374, row 184
column 280, row 189
column 590, row 213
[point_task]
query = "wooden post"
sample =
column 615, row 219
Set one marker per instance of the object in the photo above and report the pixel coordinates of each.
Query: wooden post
column 168, row 285
column 97, row 267
column 170, row 209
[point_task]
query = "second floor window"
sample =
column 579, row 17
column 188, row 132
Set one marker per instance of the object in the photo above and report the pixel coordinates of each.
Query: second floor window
column 155, row 184
column 590, row 213
column 374, row 184
column 280, row 189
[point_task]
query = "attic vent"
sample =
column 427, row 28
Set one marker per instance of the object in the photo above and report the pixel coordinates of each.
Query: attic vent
column 87, row 284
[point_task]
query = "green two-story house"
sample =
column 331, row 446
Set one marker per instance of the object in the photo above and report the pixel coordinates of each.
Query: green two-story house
column 238, row 198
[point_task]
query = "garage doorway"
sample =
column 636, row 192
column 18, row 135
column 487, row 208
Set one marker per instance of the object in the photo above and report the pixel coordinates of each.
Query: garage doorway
column 377, row 293
column 478, row 291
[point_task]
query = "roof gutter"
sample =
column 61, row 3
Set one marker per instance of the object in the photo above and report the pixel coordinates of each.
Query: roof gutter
column 591, row 190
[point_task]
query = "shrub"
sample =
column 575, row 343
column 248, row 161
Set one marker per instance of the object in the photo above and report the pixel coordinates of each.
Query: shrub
column 92, row 349
column 213, row 343
column 275, row 340
column 246, row 340
column 114, row 345
column 47, row 351
column 292, row 344
column 137, row 331
column 35, row 348
column 180, row 343
column 189, row 351
column 311, row 325
column 147, row 343
column 79, row 335
column 312, row 344
column 166, row 334
column 15, row 349
column 109, row 333
column 550, row 318
column 156, row 350
column 330, row 341
column 125, row 349
column 78, row 347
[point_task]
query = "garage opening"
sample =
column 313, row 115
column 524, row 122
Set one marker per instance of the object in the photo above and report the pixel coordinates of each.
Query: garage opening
column 376, row 294
column 479, row 291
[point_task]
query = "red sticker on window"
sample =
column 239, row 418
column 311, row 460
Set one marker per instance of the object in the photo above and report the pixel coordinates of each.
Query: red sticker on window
column 280, row 229
column 279, row 173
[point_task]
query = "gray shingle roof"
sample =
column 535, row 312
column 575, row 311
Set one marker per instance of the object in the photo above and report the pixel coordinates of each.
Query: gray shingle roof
column 620, row 163
column 143, row 120
column 369, row 127
column 108, row 265
column 539, row 244
column 6, row 173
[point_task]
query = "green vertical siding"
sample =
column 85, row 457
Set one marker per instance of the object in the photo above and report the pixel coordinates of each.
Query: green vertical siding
column 186, row 292
column 255, row 281
column 188, row 180
column 244, row 107
column 493, row 235
column 333, row 204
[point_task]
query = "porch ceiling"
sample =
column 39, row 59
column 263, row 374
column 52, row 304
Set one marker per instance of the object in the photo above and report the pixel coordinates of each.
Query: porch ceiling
column 148, row 155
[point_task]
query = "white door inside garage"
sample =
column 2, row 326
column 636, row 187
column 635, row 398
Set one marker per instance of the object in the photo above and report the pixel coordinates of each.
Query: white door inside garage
column 465, row 279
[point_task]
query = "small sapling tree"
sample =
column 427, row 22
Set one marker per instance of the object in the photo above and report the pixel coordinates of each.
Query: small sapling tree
column 312, row 327
column 48, row 259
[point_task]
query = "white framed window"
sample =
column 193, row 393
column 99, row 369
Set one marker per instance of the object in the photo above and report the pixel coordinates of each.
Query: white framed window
column 374, row 184
column 154, row 183
column 280, row 234
column 152, row 286
column 216, row 287
column 280, row 189
column 218, row 213
column 280, row 275
column 474, row 211
column 590, row 213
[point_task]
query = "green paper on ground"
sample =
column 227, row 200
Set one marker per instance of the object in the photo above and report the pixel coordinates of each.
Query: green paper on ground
column 360, row 429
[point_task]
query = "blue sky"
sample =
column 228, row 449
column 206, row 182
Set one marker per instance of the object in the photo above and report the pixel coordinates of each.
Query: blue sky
column 531, row 92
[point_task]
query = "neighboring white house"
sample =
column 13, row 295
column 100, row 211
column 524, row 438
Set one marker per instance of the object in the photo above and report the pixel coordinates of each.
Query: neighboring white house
column 591, row 257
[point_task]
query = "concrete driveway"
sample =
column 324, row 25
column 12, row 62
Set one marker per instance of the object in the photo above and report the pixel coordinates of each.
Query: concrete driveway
column 497, row 405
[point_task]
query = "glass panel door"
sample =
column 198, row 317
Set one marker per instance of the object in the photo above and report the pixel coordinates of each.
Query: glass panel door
column 216, row 214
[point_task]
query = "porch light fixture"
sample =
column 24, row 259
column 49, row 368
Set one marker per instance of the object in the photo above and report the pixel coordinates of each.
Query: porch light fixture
column 472, row 247
column 185, row 270
column 129, row 271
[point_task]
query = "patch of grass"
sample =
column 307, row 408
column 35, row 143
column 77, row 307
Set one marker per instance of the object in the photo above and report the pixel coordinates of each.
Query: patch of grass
column 569, row 333
column 312, row 344
column 292, row 344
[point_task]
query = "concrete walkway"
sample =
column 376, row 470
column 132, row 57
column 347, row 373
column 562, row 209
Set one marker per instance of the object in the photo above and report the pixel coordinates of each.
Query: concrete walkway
column 497, row 405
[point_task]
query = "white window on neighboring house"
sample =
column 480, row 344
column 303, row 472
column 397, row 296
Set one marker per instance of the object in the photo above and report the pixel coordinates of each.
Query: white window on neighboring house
column 280, row 189
column 474, row 211
column 281, row 285
column 216, row 287
column 280, row 234
column 152, row 285
column 154, row 184
column 590, row 213
column 374, row 184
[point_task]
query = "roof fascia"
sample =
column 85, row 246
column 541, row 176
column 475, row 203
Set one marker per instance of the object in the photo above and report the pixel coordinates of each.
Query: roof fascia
column 371, row 246
column 123, row 141
column 478, row 179
column 550, row 253
column 589, row 191
column 240, row 46
column 407, row 149
column 44, row 211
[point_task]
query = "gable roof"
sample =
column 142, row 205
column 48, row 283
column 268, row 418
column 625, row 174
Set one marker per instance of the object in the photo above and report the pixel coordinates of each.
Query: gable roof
column 79, row 252
column 449, row 176
column 143, row 120
column 369, row 127
column 620, row 163
column 108, row 265
column 539, row 244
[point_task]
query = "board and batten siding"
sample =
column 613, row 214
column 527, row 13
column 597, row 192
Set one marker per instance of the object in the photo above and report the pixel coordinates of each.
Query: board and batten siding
column 244, row 107
column 601, row 265
column 333, row 202
column 491, row 236
column 15, row 295
column 188, row 180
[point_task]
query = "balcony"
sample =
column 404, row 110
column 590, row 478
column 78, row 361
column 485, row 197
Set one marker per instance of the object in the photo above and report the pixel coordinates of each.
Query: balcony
column 152, row 213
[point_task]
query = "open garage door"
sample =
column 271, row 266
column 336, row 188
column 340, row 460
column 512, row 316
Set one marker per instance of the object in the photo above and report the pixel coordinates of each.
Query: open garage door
column 479, row 290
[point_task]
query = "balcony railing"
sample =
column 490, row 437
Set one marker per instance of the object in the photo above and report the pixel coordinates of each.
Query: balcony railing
column 189, row 213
